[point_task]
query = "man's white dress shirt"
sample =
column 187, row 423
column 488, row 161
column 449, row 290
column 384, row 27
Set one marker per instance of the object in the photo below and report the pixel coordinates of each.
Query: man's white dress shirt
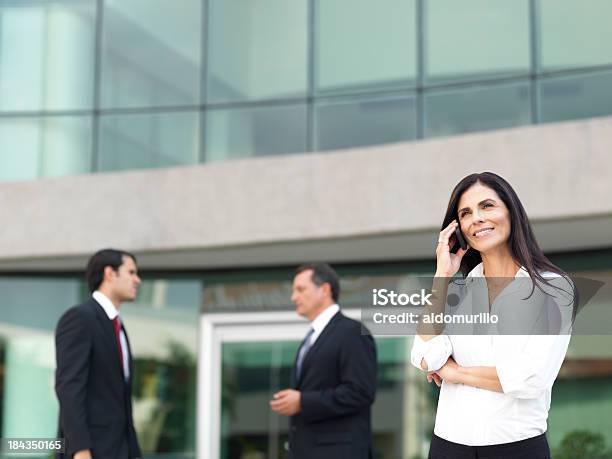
column 321, row 321
column 526, row 365
column 112, row 312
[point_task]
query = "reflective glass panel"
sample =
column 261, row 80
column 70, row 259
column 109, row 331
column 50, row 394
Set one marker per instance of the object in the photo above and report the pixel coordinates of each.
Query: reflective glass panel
column 575, row 33
column 46, row 55
column 239, row 133
column 581, row 404
column 367, row 121
column 257, row 50
column 576, row 96
column 162, row 328
column 250, row 374
column 46, row 146
column 140, row 141
column 582, row 395
column 478, row 39
column 364, row 44
column 163, row 332
column 477, row 109
column 402, row 416
column 151, row 53
column 29, row 311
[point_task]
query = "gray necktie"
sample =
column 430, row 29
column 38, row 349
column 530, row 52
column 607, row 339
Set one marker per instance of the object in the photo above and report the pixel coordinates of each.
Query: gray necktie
column 303, row 351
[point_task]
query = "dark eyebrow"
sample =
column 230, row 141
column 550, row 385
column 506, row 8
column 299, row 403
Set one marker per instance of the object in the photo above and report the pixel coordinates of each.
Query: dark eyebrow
column 480, row 204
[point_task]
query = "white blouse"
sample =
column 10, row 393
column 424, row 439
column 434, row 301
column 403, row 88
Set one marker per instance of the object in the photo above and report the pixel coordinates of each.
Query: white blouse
column 526, row 365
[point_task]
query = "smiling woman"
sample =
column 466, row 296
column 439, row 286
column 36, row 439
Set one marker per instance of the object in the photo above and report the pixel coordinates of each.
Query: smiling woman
column 496, row 390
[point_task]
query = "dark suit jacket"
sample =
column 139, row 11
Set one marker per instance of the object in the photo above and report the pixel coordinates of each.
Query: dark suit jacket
column 95, row 400
column 338, row 386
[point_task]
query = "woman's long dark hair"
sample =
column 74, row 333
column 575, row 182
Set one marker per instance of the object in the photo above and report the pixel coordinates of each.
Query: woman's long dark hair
column 522, row 242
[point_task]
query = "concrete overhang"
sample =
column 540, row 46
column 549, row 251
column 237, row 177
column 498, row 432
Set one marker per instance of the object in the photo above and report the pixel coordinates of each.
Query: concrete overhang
column 369, row 204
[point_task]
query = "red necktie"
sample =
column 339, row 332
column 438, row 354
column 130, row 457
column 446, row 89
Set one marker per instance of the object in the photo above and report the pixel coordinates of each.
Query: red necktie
column 117, row 327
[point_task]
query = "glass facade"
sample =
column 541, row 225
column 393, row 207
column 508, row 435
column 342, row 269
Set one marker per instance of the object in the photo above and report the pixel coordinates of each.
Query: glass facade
column 252, row 55
column 150, row 53
column 360, row 121
column 572, row 35
column 576, row 96
column 223, row 79
column 479, row 40
column 255, row 131
column 143, row 140
column 47, row 53
column 253, row 371
column 162, row 327
column 49, row 146
column 478, row 108
column 404, row 411
column 364, row 47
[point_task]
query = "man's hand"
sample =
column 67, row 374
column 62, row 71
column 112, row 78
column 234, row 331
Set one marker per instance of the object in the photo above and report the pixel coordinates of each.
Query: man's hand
column 83, row 454
column 287, row 402
column 449, row 372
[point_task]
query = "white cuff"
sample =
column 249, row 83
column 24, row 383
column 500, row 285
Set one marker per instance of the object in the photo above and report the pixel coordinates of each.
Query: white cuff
column 435, row 351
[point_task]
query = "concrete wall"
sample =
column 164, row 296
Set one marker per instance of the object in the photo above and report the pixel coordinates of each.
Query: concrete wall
column 375, row 203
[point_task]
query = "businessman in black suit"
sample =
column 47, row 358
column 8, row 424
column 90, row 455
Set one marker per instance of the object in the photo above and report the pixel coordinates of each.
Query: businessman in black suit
column 93, row 380
column 334, row 377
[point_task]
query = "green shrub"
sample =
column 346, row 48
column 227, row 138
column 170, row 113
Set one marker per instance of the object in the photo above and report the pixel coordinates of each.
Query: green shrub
column 582, row 444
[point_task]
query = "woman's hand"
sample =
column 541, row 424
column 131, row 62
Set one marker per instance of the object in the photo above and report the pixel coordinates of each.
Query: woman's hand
column 448, row 263
column 433, row 376
column 449, row 372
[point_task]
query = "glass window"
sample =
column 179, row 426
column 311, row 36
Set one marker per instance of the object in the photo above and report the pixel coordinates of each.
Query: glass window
column 250, row 374
column 30, row 309
column 151, row 53
column 239, row 133
column 582, row 395
column 46, row 55
column 163, row 331
column 252, row 371
column 575, row 33
column 46, row 146
column 581, row 404
column 140, row 141
column 162, row 328
column 477, row 109
column 576, row 96
column 476, row 39
column 373, row 45
column 367, row 121
column 258, row 50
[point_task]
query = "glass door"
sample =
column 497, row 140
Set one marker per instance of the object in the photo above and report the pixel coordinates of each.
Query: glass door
column 247, row 357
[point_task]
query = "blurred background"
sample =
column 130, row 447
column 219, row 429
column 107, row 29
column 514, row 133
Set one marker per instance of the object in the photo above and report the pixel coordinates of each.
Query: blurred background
column 227, row 141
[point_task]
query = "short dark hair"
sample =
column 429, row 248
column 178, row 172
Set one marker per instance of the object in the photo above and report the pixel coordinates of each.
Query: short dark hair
column 94, row 273
column 322, row 273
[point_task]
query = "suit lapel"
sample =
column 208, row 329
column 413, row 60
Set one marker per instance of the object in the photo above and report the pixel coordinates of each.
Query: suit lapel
column 325, row 334
column 110, row 338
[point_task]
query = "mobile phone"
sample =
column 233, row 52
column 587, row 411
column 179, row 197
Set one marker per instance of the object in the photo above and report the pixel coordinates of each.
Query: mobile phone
column 459, row 241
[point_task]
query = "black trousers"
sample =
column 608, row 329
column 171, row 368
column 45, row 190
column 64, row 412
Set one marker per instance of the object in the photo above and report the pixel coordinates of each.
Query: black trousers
column 531, row 448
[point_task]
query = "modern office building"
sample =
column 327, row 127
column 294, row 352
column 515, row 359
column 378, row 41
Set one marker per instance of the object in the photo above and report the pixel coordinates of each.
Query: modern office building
column 227, row 141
